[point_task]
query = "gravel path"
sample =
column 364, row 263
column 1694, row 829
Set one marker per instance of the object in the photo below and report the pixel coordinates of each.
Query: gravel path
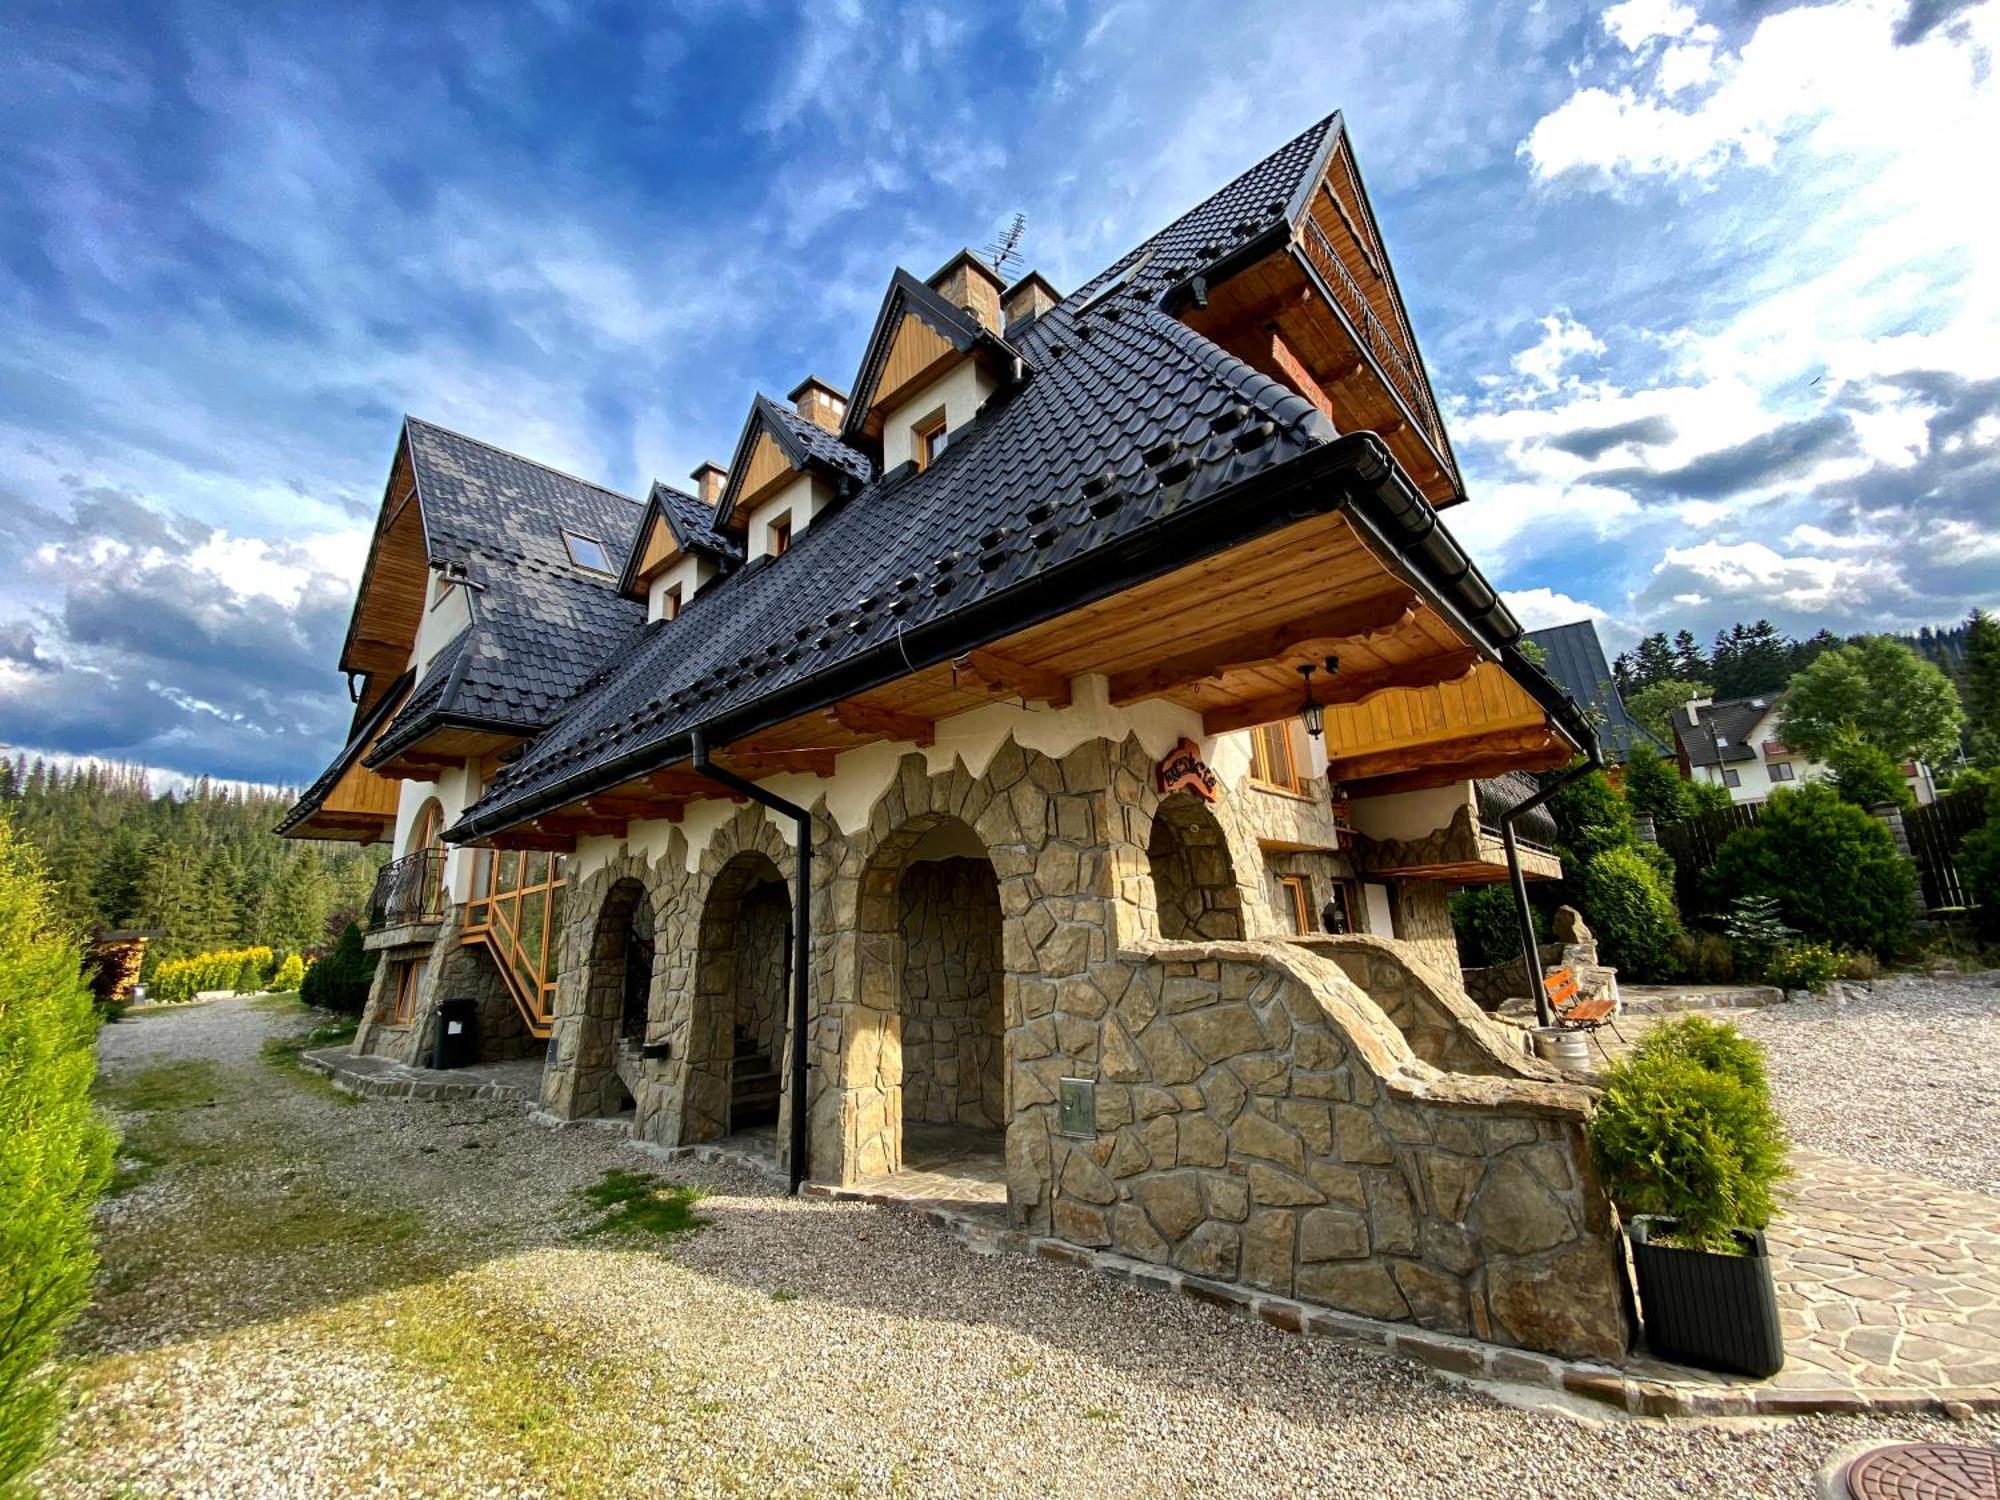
column 1904, row 1074
column 312, row 1297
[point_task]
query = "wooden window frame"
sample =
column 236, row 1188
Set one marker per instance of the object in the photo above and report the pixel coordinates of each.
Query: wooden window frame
column 778, row 536
column 1299, row 889
column 410, row 974
column 1267, row 775
column 670, row 603
column 921, row 434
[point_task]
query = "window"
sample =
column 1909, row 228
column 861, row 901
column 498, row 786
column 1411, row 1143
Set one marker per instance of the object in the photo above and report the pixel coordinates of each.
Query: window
column 1338, row 913
column 1732, row 778
column 670, row 603
column 1297, row 891
column 587, row 552
column 409, row 985
column 928, row 439
column 1271, row 759
column 781, row 537
column 1781, row 770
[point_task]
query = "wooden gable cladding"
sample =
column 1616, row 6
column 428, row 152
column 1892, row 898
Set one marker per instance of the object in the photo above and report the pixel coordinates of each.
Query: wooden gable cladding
column 765, row 470
column 917, row 356
column 658, row 553
column 395, row 587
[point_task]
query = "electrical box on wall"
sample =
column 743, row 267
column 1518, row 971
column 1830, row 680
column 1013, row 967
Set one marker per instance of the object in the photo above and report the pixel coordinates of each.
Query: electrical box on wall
column 1076, row 1107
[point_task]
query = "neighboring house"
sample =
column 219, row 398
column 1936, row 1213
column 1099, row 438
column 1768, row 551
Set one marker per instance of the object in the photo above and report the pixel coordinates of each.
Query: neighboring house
column 1573, row 656
column 1061, row 744
column 1738, row 743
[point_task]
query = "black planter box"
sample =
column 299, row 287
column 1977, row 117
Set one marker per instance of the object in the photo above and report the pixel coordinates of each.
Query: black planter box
column 1717, row 1312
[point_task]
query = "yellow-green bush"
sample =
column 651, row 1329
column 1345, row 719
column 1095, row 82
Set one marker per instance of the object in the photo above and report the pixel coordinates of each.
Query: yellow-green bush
column 291, row 973
column 180, row 979
column 55, row 1154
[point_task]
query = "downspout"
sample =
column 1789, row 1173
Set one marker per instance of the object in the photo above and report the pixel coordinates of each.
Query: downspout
column 801, row 930
column 1530, row 950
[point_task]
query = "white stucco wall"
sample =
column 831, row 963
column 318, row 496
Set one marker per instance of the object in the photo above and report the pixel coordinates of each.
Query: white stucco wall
column 443, row 618
column 690, row 575
column 802, row 499
column 960, row 390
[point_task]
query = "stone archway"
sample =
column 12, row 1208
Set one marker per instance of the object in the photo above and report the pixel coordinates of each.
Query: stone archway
column 1194, row 879
column 620, row 961
column 930, row 1039
column 738, row 1028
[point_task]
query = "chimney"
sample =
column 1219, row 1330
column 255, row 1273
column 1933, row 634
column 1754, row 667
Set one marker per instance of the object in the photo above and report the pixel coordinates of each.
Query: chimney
column 967, row 281
column 1027, row 299
column 709, row 480
column 819, row 403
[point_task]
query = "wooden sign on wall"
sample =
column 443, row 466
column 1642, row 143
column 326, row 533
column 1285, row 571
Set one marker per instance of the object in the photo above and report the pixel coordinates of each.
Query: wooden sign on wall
column 1185, row 770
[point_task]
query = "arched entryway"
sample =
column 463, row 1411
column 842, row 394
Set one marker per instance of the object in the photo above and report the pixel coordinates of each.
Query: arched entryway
column 1194, row 879
column 743, row 965
column 934, row 982
column 616, row 1000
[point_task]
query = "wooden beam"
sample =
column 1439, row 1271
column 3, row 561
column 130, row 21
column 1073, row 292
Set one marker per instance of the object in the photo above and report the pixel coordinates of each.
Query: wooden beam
column 1480, row 753
column 1014, row 679
column 619, row 807
column 883, row 723
column 1449, row 666
column 1446, row 772
column 579, row 826
column 770, row 761
column 1298, row 375
column 1350, row 625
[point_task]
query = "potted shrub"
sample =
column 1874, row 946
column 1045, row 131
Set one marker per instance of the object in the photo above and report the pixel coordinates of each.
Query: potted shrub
column 1691, row 1151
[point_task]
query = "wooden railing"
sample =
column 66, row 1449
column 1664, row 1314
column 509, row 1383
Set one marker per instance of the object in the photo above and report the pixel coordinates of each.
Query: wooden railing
column 515, row 913
column 410, row 889
column 1387, row 353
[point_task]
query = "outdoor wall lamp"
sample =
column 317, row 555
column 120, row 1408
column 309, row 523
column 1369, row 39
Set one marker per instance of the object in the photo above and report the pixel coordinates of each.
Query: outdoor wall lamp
column 1312, row 714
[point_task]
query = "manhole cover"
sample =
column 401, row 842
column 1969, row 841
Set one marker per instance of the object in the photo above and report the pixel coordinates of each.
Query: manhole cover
column 1926, row 1471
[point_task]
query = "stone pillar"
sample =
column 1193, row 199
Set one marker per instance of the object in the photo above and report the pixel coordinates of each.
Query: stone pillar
column 1643, row 829
column 1892, row 818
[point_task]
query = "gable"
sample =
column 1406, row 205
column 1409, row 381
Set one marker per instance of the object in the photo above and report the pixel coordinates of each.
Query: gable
column 767, row 466
column 395, row 584
column 916, row 356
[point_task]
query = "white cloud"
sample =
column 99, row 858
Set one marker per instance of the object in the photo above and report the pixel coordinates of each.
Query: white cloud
column 1755, row 571
column 1636, row 22
column 1539, row 607
column 1563, row 340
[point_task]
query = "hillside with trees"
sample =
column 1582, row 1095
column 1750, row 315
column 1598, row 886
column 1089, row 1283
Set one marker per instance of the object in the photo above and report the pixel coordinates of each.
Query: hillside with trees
column 202, row 869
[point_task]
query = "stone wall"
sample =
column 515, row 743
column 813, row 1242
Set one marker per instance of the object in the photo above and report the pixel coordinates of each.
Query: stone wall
column 1423, row 924
column 1438, row 1020
column 1194, row 881
column 455, row 970
column 763, row 939
column 953, row 1040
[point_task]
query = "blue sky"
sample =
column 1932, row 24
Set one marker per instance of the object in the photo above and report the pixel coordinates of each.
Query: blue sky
column 1702, row 283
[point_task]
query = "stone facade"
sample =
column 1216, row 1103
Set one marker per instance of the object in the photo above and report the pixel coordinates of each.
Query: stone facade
column 1328, row 1119
column 953, row 1039
column 455, row 971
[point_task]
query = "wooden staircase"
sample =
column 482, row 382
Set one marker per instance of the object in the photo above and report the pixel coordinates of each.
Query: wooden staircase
column 754, row 1085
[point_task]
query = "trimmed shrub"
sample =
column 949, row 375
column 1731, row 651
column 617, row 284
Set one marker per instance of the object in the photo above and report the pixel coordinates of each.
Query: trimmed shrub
column 1631, row 910
column 339, row 982
column 1979, row 867
column 181, row 979
column 1803, row 966
column 291, row 973
column 1832, row 868
column 1488, row 930
column 1685, row 1129
column 1590, row 818
column 55, row 1154
column 1866, row 776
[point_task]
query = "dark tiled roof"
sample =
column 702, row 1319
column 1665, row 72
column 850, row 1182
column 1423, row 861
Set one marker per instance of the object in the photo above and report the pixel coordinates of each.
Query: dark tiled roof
column 1500, row 794
column 363, row 728
column 692, row 523
column 540, row 625
column 1576, row 662
column 1260, row 201
column 1734, row 720
column 820, row 446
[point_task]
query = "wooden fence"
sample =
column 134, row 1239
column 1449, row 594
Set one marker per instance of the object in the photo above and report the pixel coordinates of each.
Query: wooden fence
column 1693, row 843
column 1935, row 833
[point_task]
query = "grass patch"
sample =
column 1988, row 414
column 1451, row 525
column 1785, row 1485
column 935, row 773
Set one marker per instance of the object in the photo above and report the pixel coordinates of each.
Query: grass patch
column 640, row 1203
column 163, row 1087
column 284, row 1054
column 784, row 1294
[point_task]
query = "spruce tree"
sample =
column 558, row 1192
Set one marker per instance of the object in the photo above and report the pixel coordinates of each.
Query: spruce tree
column 1982, row 688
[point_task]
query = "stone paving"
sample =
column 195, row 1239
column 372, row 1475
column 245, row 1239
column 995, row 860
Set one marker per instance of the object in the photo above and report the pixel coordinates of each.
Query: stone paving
column 380, row 1077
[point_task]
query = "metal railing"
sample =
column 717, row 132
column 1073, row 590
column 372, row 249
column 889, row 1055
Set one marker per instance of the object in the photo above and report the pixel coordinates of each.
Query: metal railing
column 1388, row 356
column 410, row 889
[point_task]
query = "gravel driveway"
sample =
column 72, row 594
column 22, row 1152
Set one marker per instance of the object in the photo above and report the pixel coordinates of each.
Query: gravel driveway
column 306, row 1296
column 1904, row 1074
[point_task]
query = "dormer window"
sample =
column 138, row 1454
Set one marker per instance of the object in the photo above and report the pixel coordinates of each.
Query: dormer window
column 928, row 439
column 670, row 603
column 588, row 553
column 780, row 541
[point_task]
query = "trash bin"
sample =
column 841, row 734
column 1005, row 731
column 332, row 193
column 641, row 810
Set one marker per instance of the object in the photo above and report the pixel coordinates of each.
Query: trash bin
column 457, row 1044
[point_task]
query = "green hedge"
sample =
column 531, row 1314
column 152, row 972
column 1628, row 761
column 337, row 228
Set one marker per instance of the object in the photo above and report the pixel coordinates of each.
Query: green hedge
column 1832, row 869
column 1630, row 909
column 55, row 1154
column 245, row 970
column 291, row 973
column 339, row 982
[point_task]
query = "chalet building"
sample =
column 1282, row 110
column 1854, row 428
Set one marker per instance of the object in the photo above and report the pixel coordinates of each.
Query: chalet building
column 1738, row 743
column 1055, row 747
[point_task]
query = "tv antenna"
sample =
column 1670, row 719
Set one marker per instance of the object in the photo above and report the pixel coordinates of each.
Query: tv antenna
column 1008, row 246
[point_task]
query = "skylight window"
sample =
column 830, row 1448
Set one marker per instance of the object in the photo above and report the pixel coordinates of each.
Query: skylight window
column 587, row 552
